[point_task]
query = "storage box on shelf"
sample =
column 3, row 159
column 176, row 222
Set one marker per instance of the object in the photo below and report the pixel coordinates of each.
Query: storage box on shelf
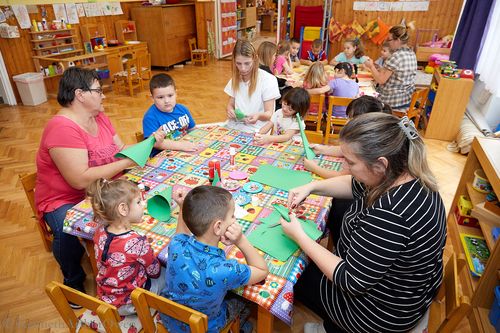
column 448, row 107
column 483, row 155
column 125, row 30
column 248, row 14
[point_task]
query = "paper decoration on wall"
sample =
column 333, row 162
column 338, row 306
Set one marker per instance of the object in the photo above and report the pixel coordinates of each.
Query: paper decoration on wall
column 116, row 8
column 9, row 31
column 22, row 16
column 72, row 13
column 32, row 9
column 334, row 31
column 383, row 32
column 60, row 12
column 91, row 9
column 80, row 10
column 2, row 16
column 386, row 6
column 358, row 28
column 105, row 8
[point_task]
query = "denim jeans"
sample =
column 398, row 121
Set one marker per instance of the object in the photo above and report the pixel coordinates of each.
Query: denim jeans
column 66, row 248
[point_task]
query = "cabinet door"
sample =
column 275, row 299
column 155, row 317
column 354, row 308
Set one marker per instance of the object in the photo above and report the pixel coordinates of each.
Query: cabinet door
column 180, row 25
column 114, row 63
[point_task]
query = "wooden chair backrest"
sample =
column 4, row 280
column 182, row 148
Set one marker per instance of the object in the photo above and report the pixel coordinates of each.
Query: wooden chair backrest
column 192, row 44
column 457, row 306
column 334, row 121
column 315, row 136
column 417, row 106
column 144, row 300
column 139, row 136
column 28, row 181
column 61, row 295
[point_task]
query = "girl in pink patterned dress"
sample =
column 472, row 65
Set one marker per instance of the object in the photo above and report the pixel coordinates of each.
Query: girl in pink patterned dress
column 282, row 63
column 124, row 258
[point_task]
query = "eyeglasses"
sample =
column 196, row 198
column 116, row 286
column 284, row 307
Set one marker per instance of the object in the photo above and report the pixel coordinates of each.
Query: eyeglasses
column 98, row 90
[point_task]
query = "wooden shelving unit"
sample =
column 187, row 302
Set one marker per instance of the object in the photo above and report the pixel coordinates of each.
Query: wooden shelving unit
column 54, row 42
column 448, row 107
column 95, row 34
column 484, row 155
column 248, row 17
column 125, row 30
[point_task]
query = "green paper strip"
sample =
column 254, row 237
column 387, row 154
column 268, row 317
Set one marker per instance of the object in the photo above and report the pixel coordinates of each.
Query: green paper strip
column 284, row 179
column 159, row 205
column 274, row 242
column 310, row 155
column 283, row 211
column 139, row 153
column 239, row 115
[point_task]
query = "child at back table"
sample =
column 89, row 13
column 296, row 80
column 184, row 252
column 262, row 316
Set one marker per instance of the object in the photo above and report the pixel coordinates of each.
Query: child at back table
column 282, row 63
column 385, row 53
column 198, row 273
column 353, row 53
column 316, row 82
column 165, row 119
column 294, row 52
column 284, row 121
column 125, row 260
column 316, row 53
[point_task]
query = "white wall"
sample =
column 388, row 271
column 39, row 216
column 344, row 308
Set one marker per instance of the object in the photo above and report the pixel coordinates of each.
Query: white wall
column 484, row 107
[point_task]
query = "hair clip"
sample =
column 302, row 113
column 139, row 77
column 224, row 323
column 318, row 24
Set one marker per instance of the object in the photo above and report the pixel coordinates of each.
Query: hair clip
column 408, row 128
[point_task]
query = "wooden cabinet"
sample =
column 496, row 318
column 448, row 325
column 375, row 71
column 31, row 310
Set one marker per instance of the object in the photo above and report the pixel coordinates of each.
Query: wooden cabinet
column 166, row 29
column 485, row 154
column 247, row 18
column 95, row 34
column 55, row 42
column 448, row 108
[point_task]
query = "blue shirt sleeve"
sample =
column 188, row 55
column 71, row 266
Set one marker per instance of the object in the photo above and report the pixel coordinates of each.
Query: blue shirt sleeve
column 191, row 120
column 149, row 123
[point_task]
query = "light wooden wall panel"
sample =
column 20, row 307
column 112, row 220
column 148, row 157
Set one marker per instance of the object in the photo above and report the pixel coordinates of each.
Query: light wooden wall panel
column 442, row 15
column 17, row 52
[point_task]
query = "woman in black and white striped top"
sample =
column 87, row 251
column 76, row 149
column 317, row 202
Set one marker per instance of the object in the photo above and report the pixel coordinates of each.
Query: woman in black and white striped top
column 388, row 262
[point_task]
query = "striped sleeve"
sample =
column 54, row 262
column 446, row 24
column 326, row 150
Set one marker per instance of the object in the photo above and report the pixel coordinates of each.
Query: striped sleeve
column 377, row 242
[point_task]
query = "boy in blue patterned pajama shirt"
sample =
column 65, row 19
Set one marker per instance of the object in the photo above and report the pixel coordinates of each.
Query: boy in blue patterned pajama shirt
column 198, row 275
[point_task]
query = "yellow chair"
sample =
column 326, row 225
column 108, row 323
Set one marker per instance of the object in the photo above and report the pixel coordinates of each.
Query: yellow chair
column 128, row 79
column 457, row 306
column 416, row 110
column 28, row 181
column 334, row 124
column 315, row 136
column 60, row 295
column 145, row 300
column 197, row 55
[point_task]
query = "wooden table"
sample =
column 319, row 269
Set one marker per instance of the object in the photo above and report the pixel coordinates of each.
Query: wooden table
column 186, row 170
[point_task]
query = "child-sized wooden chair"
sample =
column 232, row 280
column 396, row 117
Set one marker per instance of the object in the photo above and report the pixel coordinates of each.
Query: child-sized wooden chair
column 334, row 124
column 145, row 300
column 416, row 110
column 197, row 55
column 144, row 65
column 315, row 136
column 61, row 295
column 139, row 136
column 28, row 180
column 457, row 306
column 128, row 79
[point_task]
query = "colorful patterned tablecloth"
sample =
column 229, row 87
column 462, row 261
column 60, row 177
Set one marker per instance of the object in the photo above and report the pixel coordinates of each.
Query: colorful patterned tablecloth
column 180, row 169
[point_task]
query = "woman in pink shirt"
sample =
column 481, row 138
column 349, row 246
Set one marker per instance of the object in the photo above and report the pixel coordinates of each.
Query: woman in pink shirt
column 77, row 147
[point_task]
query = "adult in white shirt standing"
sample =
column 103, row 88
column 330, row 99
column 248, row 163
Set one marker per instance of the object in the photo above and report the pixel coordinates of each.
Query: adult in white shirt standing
column 251, row 90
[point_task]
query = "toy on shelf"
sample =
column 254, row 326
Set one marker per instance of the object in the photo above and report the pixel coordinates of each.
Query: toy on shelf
column 449, row 69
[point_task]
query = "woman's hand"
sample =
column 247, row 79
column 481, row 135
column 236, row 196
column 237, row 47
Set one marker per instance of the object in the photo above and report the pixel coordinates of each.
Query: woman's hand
column 232, row 235
column 179, row 195
column 369, row 64
column 297, row 195
column 252, row 119
column 292, row 228
column 310, row 165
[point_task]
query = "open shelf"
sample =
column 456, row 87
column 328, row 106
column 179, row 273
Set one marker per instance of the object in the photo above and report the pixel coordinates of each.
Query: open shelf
column 49, row 31
column 53, row 47
column 475, row 196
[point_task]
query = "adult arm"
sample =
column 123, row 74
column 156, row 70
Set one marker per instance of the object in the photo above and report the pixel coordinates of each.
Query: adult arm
column 338, row 187
column 73, row 165
column 327, row 150
column 317, row 91
column 312, row 166
column 381, row 75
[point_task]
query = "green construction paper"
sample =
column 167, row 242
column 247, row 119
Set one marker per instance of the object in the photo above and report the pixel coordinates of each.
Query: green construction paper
column 283, row 211
column 274, row 242
column 139, row 153
column 159, row 205
column 310, row 155
column 216, row 179
column 239, row 115
column 284, row 179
